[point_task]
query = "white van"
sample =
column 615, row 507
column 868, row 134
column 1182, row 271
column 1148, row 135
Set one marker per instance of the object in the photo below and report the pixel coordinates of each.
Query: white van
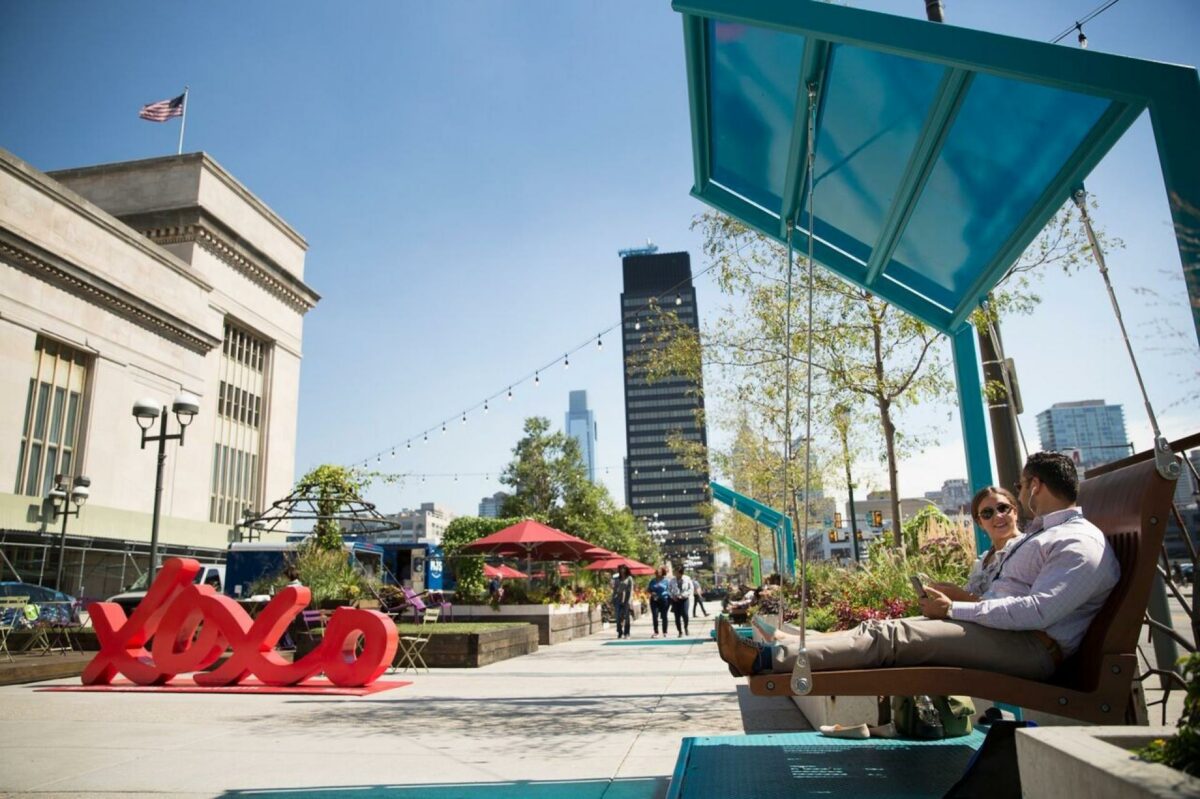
column 211, row 573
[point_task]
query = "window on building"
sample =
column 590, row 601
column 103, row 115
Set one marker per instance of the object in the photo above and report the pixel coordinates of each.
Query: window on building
column 241, row 404
column 53, row 417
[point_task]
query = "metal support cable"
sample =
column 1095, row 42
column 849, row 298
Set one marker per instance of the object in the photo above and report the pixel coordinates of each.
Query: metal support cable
column 1164, row 458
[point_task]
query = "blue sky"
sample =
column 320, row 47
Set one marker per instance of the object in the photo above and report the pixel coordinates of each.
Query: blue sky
column 465, row 173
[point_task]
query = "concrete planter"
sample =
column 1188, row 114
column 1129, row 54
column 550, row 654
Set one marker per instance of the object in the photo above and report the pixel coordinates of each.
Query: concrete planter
column 1096, row 762
column 555, row 623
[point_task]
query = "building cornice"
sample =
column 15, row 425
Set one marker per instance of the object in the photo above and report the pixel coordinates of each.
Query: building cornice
column 209, row 234
column 29, row 257
column 213, row 167
column 96, row 215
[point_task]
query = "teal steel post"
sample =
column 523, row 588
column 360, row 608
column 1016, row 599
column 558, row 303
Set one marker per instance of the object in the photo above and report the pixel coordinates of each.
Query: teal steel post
column 970, row 411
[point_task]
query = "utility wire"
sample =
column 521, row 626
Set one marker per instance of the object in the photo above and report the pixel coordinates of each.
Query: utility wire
column 1079, row 23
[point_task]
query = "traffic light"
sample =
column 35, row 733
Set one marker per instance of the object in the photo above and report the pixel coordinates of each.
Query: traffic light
column 837, row 519
column 877, row 518
column 833, row 536
column 859, row 535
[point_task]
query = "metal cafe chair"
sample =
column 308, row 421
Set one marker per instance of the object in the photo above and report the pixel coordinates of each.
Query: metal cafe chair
column 411, row 647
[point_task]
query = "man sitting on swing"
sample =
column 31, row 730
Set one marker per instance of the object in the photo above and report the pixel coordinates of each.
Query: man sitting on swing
column 1035, row 613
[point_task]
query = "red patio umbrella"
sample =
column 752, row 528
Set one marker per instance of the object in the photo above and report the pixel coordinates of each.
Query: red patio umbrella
column 636, row 568
column 600, row 553
column 503, row 572
column 533, row 541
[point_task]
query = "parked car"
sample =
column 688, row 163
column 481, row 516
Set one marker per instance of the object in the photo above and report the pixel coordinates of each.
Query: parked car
column 53, row 606
column 211, row 573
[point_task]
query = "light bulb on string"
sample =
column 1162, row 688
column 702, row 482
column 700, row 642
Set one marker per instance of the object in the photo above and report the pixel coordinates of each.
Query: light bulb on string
column 443, row 428
column 408, row 444
column 637, row 325
column 464, row 417
column 485, row 407
column 599, row 343
column 566, row 362
column 426, row 436
column 1082, row 37
column 379, row 459
column 393, row 452
column 679, row 299
column 510, row 393
column 537, row 381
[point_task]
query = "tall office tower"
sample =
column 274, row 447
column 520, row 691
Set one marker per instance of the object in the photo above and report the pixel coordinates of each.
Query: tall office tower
column 581, row 426
column 1095, row 429
column 490, row 507
column 656, row 484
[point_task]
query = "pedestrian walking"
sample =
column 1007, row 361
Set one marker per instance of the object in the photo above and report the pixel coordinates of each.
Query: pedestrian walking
column 622, row 596
column 660, row 600
column 681, row 599
column 698, row 598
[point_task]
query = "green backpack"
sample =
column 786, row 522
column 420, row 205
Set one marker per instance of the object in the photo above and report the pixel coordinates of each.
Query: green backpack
column 929, row 718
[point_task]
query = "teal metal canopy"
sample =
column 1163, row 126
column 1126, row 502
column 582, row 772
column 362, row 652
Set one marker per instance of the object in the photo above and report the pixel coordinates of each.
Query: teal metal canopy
column 778, row 523
column 940, row 152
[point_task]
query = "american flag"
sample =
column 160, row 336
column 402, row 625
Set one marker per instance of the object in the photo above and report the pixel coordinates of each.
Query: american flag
column 163, row 109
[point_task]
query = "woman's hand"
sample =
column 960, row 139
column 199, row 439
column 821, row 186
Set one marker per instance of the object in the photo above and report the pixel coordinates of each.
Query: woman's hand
column 954, row 592
column 935, row 604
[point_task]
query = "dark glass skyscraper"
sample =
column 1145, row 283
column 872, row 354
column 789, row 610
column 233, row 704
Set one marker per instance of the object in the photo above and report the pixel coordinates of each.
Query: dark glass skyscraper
column 656, row 483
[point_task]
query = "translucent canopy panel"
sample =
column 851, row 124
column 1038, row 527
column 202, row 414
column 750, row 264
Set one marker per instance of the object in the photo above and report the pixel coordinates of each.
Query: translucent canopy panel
column 939, row 153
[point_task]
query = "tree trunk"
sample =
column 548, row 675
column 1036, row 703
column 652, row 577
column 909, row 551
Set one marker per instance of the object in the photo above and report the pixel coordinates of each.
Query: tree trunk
column 889, row 437
column 885, row 421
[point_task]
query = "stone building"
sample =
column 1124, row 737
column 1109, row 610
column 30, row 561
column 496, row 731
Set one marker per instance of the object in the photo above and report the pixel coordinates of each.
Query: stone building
column 137, row 280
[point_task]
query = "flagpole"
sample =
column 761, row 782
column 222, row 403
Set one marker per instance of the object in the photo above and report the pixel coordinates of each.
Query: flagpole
column 183, row 123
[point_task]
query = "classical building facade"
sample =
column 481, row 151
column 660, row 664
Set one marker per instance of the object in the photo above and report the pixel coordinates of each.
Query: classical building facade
column 136, row 280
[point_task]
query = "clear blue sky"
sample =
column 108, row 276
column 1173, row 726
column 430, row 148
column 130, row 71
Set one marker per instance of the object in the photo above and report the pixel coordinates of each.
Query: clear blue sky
column 465, row 173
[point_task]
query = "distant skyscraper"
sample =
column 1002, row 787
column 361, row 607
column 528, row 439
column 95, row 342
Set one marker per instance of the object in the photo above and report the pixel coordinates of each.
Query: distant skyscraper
column 1095, row 429
column 581, row 426
column 489, row 507
column 956, row 495
column 656, row 484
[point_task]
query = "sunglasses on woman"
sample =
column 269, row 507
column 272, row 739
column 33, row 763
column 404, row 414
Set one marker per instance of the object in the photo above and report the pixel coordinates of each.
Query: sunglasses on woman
column 1001, row 509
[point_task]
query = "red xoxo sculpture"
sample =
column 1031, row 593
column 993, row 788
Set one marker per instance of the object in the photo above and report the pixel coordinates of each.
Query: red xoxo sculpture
column 192, row 627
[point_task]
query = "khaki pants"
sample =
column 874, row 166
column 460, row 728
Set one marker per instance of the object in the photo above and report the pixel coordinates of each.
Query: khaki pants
column 923, row 642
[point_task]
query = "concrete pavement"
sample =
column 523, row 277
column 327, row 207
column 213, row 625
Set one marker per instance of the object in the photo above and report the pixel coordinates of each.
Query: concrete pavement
column 579, row 719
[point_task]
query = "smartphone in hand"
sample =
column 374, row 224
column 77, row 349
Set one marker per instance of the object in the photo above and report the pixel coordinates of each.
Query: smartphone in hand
column 916, row 584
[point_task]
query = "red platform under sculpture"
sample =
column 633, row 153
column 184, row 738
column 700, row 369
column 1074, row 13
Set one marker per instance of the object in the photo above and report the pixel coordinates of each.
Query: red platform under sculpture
column 182, row 628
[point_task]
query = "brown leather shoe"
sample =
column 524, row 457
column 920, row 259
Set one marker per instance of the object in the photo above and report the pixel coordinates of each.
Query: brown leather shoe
column 738, row 652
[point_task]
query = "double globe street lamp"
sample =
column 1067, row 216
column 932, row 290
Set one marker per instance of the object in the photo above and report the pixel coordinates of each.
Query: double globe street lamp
column 146, row 411
column 66, row 492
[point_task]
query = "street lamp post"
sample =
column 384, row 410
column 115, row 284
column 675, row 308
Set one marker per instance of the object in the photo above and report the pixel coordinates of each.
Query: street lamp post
column 60, row 502
column 185, row 407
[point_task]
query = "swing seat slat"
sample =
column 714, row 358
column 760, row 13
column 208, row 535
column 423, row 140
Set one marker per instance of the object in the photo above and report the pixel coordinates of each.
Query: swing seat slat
column 1130, row 505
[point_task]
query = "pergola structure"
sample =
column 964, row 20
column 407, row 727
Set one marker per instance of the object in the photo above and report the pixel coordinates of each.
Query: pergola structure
column 939, row 153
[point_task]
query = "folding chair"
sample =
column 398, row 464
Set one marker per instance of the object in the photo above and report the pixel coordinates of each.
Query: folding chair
column 412, row 646
column 11, row 609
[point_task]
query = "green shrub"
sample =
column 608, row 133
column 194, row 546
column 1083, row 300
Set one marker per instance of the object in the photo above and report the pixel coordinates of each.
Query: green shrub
column 1182, row 750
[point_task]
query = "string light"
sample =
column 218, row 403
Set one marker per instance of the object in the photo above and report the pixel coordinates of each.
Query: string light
column 651, row 303
column 1082, row 36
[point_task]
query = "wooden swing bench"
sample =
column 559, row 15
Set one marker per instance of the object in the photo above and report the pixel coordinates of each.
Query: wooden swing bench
column 1130, row 505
